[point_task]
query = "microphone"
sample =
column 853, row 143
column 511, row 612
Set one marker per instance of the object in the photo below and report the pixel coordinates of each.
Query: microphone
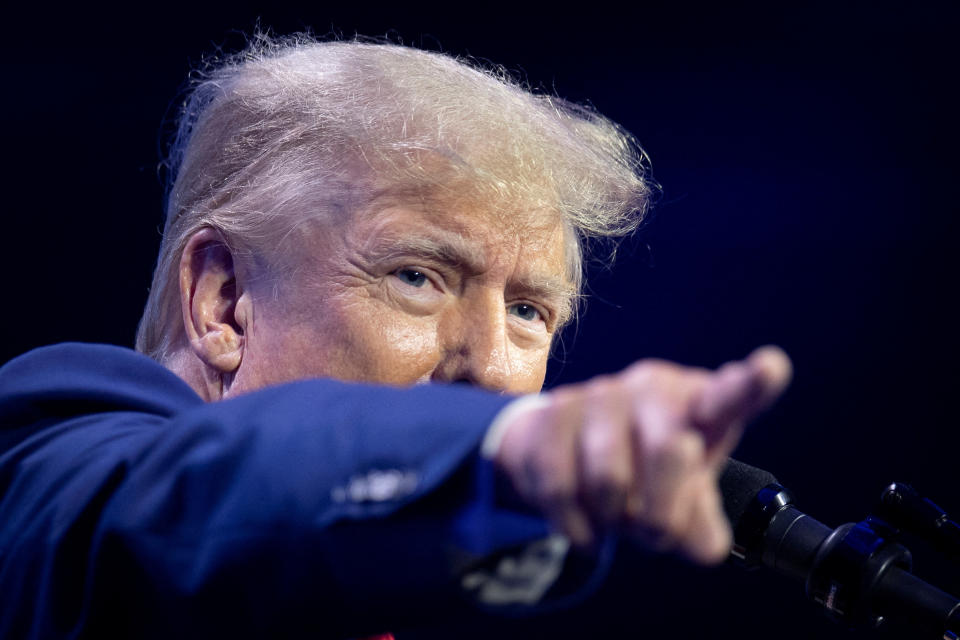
column 859, row 576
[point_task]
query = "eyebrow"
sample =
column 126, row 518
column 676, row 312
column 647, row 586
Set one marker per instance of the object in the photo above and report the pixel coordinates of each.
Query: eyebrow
column 447, row 247
column 453, row 249
column 559, row 292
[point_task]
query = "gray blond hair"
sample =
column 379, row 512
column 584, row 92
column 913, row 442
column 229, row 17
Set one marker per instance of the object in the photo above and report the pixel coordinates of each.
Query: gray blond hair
column 291, row 129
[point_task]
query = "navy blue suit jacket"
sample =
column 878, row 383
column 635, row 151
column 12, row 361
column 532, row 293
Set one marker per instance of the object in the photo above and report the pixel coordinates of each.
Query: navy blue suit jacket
column 130, row 507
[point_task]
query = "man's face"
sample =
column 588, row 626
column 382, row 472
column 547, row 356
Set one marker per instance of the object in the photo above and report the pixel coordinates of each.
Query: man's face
column 406, row 294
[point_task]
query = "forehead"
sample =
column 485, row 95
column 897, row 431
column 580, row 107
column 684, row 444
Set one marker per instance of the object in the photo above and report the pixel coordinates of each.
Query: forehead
column 480, row 237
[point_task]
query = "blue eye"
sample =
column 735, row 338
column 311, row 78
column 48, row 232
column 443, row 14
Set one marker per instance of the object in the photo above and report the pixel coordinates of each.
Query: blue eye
column 525, row 312
column 412, row 277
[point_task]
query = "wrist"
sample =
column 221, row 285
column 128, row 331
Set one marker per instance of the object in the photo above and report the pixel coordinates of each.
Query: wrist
column 509, row 417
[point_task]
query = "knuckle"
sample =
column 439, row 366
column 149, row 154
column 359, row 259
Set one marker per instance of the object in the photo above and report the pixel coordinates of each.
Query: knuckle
column 602, row 386
column 605, row 440
column 605, row 460
column 683, row 450
column 653, row 369
column 642, row 372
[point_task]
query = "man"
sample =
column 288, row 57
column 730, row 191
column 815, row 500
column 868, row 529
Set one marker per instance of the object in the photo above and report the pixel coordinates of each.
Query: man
column 362, row 213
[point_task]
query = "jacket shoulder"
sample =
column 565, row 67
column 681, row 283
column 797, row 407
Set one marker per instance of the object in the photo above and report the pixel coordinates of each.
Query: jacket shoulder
column 72, row 378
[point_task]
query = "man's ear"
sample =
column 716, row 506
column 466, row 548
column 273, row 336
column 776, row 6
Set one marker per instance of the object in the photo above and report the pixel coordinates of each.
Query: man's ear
column 208, row 298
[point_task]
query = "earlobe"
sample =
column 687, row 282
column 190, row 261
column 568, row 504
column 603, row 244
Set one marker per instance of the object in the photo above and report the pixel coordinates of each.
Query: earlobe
column 220, row 347
column 209, row 295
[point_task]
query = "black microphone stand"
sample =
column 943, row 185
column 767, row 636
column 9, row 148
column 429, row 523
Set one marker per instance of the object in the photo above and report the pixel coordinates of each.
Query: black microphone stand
column 901, row 505
column 858, row 572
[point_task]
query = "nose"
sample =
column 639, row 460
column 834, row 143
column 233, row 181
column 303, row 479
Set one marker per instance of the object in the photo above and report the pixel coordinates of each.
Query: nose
column 474, row 345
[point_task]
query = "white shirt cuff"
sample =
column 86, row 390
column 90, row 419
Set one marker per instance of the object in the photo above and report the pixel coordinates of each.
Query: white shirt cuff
column 498, row 428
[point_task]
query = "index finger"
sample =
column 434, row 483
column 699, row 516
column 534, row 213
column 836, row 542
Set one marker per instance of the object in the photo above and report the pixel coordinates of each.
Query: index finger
column 737, row 392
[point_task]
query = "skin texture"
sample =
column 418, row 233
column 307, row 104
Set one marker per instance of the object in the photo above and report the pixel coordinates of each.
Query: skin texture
column 410, row 293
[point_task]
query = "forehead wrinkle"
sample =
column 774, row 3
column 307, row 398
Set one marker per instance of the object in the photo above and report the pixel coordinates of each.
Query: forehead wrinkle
column 444, row 246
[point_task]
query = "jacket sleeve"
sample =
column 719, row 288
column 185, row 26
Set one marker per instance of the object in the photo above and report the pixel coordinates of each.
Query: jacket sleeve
column 316, row 508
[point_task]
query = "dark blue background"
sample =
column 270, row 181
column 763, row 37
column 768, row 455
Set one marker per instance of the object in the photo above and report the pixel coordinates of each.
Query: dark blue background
column 809, row 162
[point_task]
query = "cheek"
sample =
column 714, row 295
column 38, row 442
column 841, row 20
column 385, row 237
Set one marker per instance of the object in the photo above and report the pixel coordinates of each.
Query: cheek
column 402, row 349
column 370, row 343
column 528, row 370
